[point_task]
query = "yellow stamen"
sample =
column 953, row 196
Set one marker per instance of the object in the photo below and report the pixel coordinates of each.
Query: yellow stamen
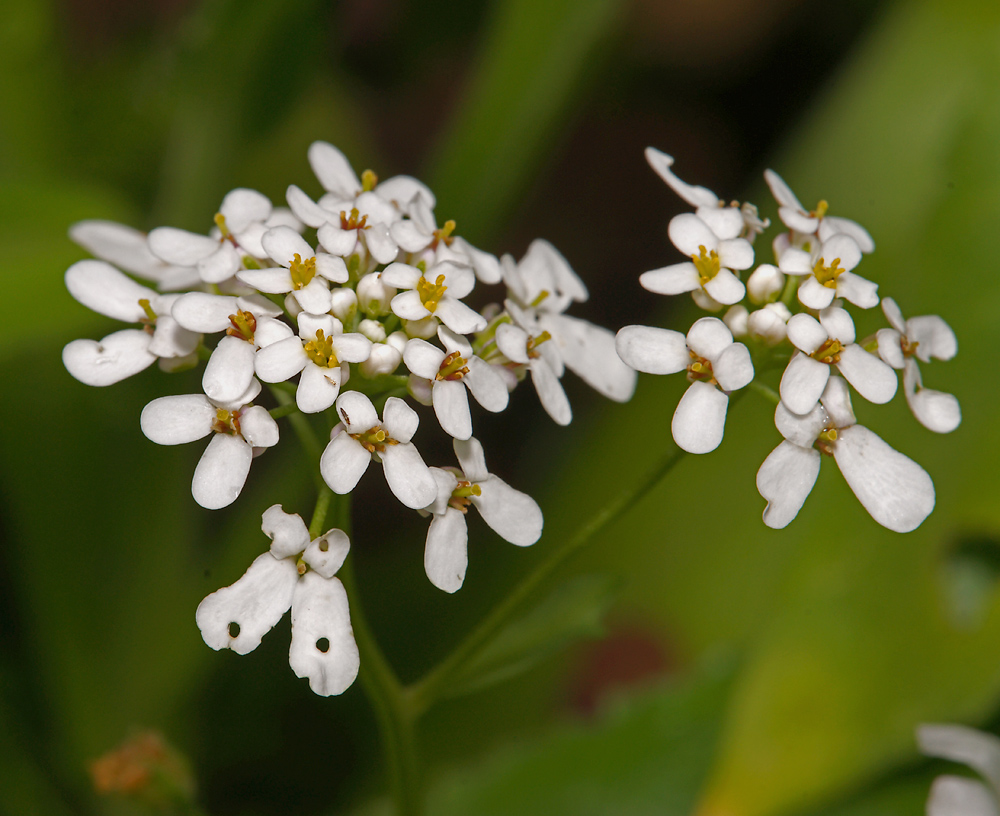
column 242, row 325
column 825, row 441
column 321, row 352
column 302, row 271
column 227, row 422
column 827, row 275
column 707, row 264
column 444, row 234
column 461, row 496
column 829, row 352
column 534, row 342
column 220, row 222
column 431, row 293
column 354, row 221
column 374, row 439
column 700, row 370
column 368, row 181
column 821, row 208
column 453, row 367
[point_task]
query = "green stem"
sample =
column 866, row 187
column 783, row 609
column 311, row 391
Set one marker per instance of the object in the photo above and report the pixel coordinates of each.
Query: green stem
column 765, row 391
column 427, row 690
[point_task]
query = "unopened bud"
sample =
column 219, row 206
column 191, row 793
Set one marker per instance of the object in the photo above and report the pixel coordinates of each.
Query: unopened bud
column 736, row 320
column 374, row 296
column 384, row 359
column 373, row 330
column 765, row 284
column 344, row 304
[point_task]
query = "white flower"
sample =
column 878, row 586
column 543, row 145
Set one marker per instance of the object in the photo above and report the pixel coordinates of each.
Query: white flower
column 715, row 367
column 249, row 323
column 828, row 342
column 894, row 489
column 827, row 271
column 128, row 249
column 109, row 292
column 451, row 373
column 726, row 222
column 709, row 275
column 239, row 429
column 536, row 353
column 435, row 292
column 958, row 795
column 322, row 352
column 296, row 574
column 303, row 272
column 921, row 338
column 542, row 279
column 361, row 437
column 799, row 220
column 512, row 515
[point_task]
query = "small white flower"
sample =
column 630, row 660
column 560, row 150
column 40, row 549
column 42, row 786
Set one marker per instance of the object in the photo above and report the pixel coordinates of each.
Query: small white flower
column 894, row 489
column 715, row 367
column 322, row 352
column 437, row 292
column 732, row 221
column 128, row 249
column 800, row 220
column 828, row 342
column 769, row 324
column 542, row 279
column 536, row 353
column 512, row 515
column 765, row 284
column 109, row 292
column 827, row 271
column 239, row 429
column 958, row 795
column 362, row 437
column 920, row 338
column 710, row 272
column 296, row 574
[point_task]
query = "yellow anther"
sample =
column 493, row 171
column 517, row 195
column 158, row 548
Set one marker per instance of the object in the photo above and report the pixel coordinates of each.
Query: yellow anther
column 431, row 293
column 825, row 441
column 534, row 342
column 539, row 299
column 827, row 275
column 461, row 496
column 302, row 271
column 321, row 352
column 242, row 325
column 368, row 181
column 444, row 233
column 353, row 221
column 700, row 369
column 908, row 348
column 227, row 422
column 829, row 352
column 220, row 222
column 453, row 367
column 821, row 208
column 374, row 439
column 707, row 264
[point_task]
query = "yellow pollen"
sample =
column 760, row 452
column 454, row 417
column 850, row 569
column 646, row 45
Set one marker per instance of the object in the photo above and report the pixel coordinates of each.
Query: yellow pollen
column 374, row 439
column 829, row 352
column 368, row 181
column 321, row 352
column 302, row 271
column 707, row 264
column 227, row 422
column 220, row 222
column 461, row 496
column 821, row 208
column 534, row 342
column 242, row 325
column 700, row 370
column 431, row 293
column 444, row 233
column 453, row 367
column 354, row 221
column 827, row 275
column 825, row 440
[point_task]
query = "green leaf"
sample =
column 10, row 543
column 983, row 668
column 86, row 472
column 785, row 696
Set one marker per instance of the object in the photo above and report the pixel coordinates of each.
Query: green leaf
column 574, row 610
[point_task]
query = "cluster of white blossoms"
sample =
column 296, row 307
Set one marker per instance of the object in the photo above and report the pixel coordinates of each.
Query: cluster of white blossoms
column 354, row 306
column 794, row 309
column 953, row 795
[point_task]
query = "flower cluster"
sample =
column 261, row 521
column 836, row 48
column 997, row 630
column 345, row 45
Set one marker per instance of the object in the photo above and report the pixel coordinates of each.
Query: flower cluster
column 354, row 306
column 794, row 309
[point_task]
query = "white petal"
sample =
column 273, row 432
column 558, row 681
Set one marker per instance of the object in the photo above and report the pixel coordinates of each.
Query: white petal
column 332, row 267
column 177, row 419
column 800, row 430
column 725, row 222
column 977, row 749
column 487, row 385
column 861, row 292
column 512, row 342
column 833, row 224
column 451, row 406
column 725, row 288
column 380, row 244
column 736, row 253
column 960, row 796
column 935, row 410
column 422, row 358
column 802, row 383
column 275, row 280
column 255, row 603
column 117, row 356
column 310, row 213
column 785, row 479
column 470, row 456
column 843, row 249
column 934, row 336
column 889, row 348
column 409, row 306
column 409, row 236
column 814, row 295
column 695, row 196
column 700, row 419
column 337, row 241
column 589, row 352
column 399, row 419
column 101, row 287
column 485, row 265
column 446, row 555
column 221, row 472
column 333, row 170
column 795, row 218
column 400, row 190
column 323, row 647
column 550, row 391
column 287, row 531
column 280, row 361
column 357, row 411
column 220, row 265
column 258, row 427
column 202, row 312
column 733, row 369
column 282, row 244
column 513, row 515
column 893, row 488
column 689, row 234
column 781, row 191
column 795, row 261
column 318, row 388
column 123, row 246
column 872, row 378
column 170, row 339
column 458, row 317
column 343, row 463
column 806, row 333
column 351, row 347
column 229, row 369
column 838, row 324
column 242, row 206
column 671, row 280
column 836, row 401
column 180, row 247
column 708, row 337
column 652, row 350
column 327, row 553
column 893, row 314
column 407, row 475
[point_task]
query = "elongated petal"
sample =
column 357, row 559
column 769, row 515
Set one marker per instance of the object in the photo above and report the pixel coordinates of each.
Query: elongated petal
column 399, row 419
column 708, row 337
column 401, row 189
column 408, row 476
column 736, row 253
column 318, row 388
column 409, row 306
column 238, row 616
column 343, row 463
column 933, row 336
column 337, row 241
column 280, row 361
column 470, row 456
column 802, row 383
column 323, row 647
column 800, row 430
column 785, row 479
column 806, row 333
column 837, row 323
column 107, row 291
column 695, row 196
column 333, row 170
column 202, row 312
column 177, row 419
column 894, row 489
column 179, row 246
column 700, row 419
column 221, row 472
column 458, row 317
column 550, row 391
column 781, row 191
column 282, row 244
column 309, row 212
column 833, row 224
column 589, row 351
column 220, row 265
column 451, row 406
column 512, row 342
column 287, row 531
column 513, row 515
column 258, row 427
column 113, row 359
column 836, row 401
column 357, row 411
column 935, row 410
column 860, row 291
column 487, row 385
column 871, row 377
column 485, row 265
column 652, row 349
column 275, row 280
column 814, row 295
column 422, row 358
column 332, row 267
column 242, row 206
column 889, row 348
column 121, row 245
column 229, row 369
column 671, row 280
column 327, row 553
column 725, row 288
column 446, row 555
column 726, row 222
column 960, row 796
column 733, row 369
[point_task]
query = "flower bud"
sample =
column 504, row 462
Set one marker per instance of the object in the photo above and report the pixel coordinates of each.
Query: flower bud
column 736, row 319
column 374, row 296
column 425, row 328
column 767, row 325
column 384, row 359
column 373, row 330
column 398, row 340
column 344, row 304
column 765, row 284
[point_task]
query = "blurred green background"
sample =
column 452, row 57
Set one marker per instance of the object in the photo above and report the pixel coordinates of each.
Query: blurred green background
column 739, row 671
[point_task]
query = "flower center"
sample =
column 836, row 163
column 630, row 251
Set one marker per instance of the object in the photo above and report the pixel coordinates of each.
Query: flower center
column 534, row 342
column 909, row 349
column 829, row 352
column 431, row 293
column 321, row 352
column 825, row 441
column 149, row 321
column 354, row 221
column 242, row 325
column 700, row 370
column 227, row 422
column 461, row 496
column 707, row 264
column 453, row 367
column 444, row 234
column 374, row 439
column 827, row 275
column 302, row 271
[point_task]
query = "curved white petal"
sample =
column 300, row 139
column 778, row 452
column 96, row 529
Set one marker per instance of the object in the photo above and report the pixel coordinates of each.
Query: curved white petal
column 652, row 349
column 202, row 312
column 446, row 554
column 318, row 388
column 513, row 341
column 327, row 553
column 802, row 383
column 337, row 241
column 408, row 476
column 512, row 515
column 894, row 489
column 708, row 337
column 222, row 471
column 800, row 430
column 380, row 244
column 422, row 358
column 550, row 391
column 695, row 196
column 860, row 291
column 933, row 336
column 357, row 411
column 781, row 191
column 806, row 333
column 814, row 295
column 843, row 250
column 725, row 288
column 935, row 410
column 343, row 463
column 671, row 280
column 177, row 419
column 221, row 265
column 589, row 351
column 700, row 419
column 254, row 603
column 733, row 368
column 409, row 306
column 785, row 479
column 458, row 317
column 258, row 427
column 179, row 246
column 725, row 222
column 959, row 743
column 960, row 796
column 836, row 401
column 736, row 253
column 280, row 361
column 287, row 531
column 229, row 369
column 282, row 244
column 832, row 224
column 242, row 206
column 889, row 348
column 470, row 456
column 332, row 268
column 274, row 280
column 309, row 212
column 871, row 377
column 399, row 419
column 107, row 291
column 333, row 170
column 323, row 647
column 116, row 357
column 487, row 385
column 451, row 406
column 689, row 234
column 837, row 323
